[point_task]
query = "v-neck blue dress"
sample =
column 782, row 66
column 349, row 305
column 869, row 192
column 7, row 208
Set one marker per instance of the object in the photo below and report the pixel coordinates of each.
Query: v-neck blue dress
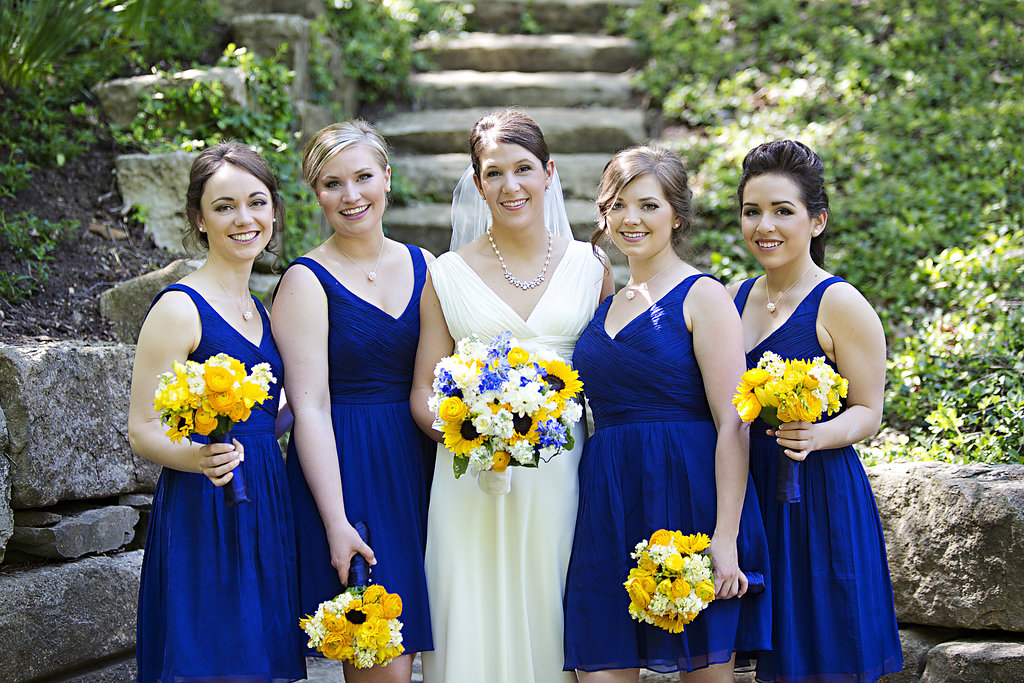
column 383, row 456
column 833, row 614
column 651, row 465
column 218, row 595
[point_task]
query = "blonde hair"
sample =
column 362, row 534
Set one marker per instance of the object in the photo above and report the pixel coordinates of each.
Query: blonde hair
column 333, row 139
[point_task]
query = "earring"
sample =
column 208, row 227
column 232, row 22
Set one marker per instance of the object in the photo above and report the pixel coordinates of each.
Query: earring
column 202, row 229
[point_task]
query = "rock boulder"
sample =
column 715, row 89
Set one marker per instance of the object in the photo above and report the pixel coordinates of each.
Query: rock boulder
column 975, row 661
column 126, row 303
column 119, row 98
column 156, row 183
column 67, row 408
column 63, row 616
column 955, row 539
column 86, row 532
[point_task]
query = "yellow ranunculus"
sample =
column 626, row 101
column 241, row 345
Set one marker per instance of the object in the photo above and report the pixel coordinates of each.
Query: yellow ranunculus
column 500, row 461
column 239, row 412
column 680, row 589
column 218, row 379
column 646, row 563
column 374, row 594
column 392, row 604
column 747, row 406
column 705, row 590
column 754, row 377
column 665, row 586
column 206, row 421
column 517, row 356
column 661, row 537
column 222, row 402
column 637, row 594
column 766, row 397
column 373, row 610
column 453, row 409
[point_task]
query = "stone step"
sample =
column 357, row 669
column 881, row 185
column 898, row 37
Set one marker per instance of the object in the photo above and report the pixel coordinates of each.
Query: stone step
column 553, row 16
column 466, row 88
column 567, row 130
column 558, row 51
column 436, row 175
column 430, row 225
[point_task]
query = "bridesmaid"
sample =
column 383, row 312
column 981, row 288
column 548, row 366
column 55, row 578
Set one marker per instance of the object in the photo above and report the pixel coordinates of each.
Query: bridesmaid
column 833, row 615
column 217, row 599
column 659, row 362
column 346, row 317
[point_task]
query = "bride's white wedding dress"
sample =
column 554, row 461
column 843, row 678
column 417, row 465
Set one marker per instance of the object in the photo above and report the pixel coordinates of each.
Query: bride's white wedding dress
column 496, row 564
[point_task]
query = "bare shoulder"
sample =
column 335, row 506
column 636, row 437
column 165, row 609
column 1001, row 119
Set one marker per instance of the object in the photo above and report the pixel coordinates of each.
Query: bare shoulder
column 707, row 292
column 842, row 300
column 300, row 279
column 428, row 256
column 172, row 322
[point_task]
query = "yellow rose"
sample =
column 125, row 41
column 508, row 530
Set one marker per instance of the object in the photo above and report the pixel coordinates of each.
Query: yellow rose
column 453, row 409
column 754, row 377
column 705, row 590
column 253, row 393
column 517, row 356
column 637, row 594
column 500, row 461
column 392, row 604
column 674, row 562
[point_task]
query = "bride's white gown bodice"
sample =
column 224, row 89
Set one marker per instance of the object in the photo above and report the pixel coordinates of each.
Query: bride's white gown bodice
column 496, row 564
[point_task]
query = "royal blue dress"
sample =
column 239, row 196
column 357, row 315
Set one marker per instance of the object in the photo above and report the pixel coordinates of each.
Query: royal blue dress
column 651, row 465
column 833, row 614
column 218, row 595
column 382, row 454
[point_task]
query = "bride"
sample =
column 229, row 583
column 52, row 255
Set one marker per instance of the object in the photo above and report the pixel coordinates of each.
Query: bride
column 496, row 563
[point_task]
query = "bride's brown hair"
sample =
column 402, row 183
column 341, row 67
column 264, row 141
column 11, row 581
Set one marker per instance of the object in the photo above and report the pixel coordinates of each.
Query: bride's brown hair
column 512, row 127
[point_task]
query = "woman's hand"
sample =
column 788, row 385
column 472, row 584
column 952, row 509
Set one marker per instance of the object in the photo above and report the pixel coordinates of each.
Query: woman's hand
column 345, row 543
column 797, row 438
column 217, row 460
column 730, row 582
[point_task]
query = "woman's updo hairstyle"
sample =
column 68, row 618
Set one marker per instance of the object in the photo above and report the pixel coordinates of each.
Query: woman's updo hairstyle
column 665, row 166
column 209, row 162
column 797, row 162
column 511, row 127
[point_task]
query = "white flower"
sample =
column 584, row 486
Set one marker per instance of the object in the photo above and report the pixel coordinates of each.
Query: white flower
column 522, row 452
column 572, row 412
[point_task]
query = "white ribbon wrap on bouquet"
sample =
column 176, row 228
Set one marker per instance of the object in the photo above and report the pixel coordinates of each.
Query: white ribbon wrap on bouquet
column 494, row 483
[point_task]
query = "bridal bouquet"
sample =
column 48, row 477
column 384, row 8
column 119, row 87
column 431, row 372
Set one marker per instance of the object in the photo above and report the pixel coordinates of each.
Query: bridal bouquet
column 359, row 626
column 672, row 581
column 779, row 391
column 209, row 398
column 499, row 405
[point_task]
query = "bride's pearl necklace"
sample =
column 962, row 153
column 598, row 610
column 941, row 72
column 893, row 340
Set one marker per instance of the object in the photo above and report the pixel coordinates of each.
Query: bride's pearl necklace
column 535, row 282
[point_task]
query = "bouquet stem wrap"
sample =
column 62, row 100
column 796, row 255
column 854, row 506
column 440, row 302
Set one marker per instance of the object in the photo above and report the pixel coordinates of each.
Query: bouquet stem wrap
column 787, row 489
column 234, row 491
column 358, row 570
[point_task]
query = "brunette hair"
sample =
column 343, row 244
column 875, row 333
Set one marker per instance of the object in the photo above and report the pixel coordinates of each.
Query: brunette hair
column 333, row 139
column 628, row 165
column 510, row 126
column 797, row 162
column 209, row 162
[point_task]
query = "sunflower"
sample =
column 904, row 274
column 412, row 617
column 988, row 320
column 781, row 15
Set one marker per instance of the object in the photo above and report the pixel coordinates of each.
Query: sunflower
column 562, row 379
column 461, row 437
column 525, row 427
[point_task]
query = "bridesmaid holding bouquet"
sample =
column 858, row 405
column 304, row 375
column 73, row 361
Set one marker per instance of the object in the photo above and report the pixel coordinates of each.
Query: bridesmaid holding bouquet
column 218, row 598
column 833, row 614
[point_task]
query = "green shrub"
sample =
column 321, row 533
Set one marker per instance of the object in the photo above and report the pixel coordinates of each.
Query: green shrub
column 31, row 240
column 916, row 110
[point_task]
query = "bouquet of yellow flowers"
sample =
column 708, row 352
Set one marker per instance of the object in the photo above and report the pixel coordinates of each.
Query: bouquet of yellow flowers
column 499, row 405
column 361, row 625
column 208, row 399
column 672, row 582
column 779, row 391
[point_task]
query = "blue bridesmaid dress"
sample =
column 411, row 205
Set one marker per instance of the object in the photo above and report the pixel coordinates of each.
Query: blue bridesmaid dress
column 218, row 595
column 651, row 465
column 833, row 614
column 383, row 456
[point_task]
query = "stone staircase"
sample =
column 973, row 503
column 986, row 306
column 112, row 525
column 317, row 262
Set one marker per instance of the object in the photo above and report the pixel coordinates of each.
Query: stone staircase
column 575, row 83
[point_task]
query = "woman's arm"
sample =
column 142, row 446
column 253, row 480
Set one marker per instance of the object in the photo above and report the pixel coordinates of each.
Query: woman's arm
column 171, row 332
column 299, row 320
column 851, row 334
column 718, row 345
column 435, row 343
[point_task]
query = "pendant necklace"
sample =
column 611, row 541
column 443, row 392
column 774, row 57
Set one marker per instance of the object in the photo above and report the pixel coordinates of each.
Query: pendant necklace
column 631, row 290
column 768, row 294
column 370, row 275
column 246, row 312
column 511, row 279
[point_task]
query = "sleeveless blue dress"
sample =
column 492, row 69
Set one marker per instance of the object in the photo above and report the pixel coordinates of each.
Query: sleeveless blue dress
column 383, row 455
column 218, row 595
column 650, row 465
column 833, row 613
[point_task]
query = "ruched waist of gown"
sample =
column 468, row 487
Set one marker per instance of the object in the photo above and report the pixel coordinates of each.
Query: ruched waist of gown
column 623, row 415
column 364, row 394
